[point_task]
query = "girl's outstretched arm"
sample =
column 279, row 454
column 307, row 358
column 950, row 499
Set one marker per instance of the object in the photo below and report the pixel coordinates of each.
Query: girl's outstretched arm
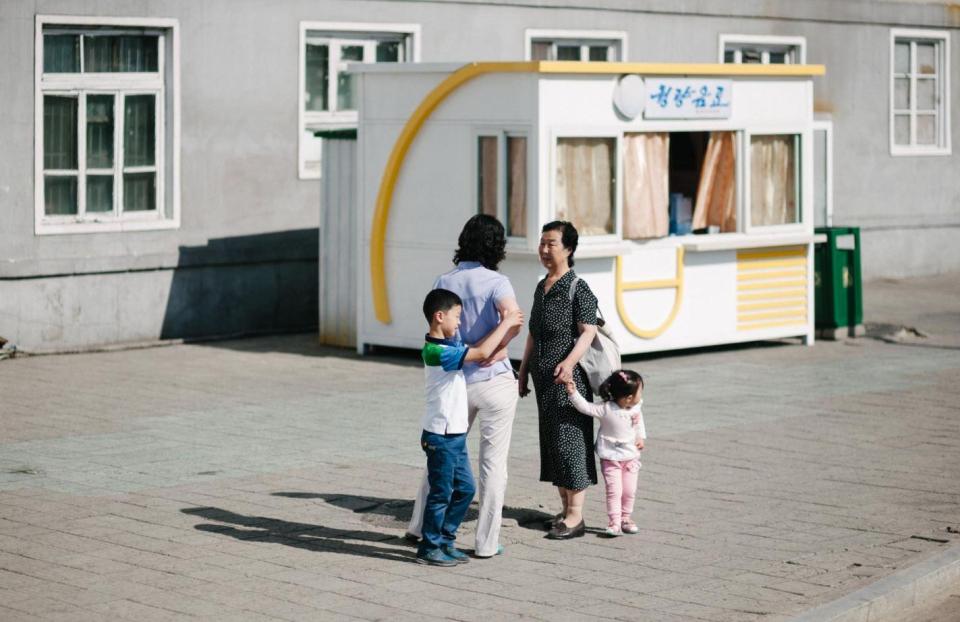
column 582, row 405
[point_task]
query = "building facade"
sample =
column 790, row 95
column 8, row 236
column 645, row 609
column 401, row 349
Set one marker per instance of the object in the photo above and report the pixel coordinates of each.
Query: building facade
column 175, row 182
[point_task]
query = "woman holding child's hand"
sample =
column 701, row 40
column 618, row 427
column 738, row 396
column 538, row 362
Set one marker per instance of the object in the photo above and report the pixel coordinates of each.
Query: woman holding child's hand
column 563, row 323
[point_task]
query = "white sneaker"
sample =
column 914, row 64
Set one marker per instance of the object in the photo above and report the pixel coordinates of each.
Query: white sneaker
column 613, row 531
column 629, row 526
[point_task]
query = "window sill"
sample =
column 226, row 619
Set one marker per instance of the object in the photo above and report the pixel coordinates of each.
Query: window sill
column 734, row 241
column 61, row 228
column 690, row 243
column 899, row 152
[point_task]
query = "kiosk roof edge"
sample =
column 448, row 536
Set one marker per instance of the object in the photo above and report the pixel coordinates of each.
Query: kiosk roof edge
column 598, row 68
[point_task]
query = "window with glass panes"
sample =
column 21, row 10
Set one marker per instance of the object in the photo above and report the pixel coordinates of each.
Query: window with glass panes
column 762, row 49
column 918, row 120
column 329, row 88
column 575, row 49
column 102, row 145
column 502, row 179
column 328, row 98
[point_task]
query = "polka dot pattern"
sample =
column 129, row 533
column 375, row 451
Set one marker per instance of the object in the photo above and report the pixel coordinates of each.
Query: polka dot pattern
column 566, row 437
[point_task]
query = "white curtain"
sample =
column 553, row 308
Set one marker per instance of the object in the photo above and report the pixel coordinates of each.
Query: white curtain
column 584, row 191
column 646, row 185
column 717, row 190
column 487, row 156
column 516, row 186
column 773, row 183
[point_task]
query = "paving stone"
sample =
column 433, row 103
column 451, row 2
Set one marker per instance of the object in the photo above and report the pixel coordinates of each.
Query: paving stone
column 213, row 481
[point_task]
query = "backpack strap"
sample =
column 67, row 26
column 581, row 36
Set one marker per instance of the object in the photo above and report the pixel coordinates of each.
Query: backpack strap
column 573, row 293
column 573, row 288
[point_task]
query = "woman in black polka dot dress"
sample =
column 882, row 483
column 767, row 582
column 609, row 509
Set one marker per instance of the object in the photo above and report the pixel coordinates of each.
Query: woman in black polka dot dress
column 561, row 330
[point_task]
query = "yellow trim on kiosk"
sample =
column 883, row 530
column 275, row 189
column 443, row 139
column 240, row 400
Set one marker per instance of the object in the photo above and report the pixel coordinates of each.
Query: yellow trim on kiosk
column 627, row 286
column 381, row 215
column 680, row 69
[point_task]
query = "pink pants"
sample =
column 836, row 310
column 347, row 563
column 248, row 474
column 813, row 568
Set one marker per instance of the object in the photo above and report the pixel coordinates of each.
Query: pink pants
column 620, row 478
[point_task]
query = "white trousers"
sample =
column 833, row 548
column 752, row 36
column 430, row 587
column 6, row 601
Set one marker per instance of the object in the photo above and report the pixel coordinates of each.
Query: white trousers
column 492, row 406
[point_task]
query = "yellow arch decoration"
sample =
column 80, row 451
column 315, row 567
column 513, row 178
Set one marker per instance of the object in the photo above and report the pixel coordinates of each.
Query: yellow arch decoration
column 623, row 286
column 378, row 233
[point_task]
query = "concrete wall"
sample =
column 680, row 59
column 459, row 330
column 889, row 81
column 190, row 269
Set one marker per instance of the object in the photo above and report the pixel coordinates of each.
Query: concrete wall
column 244, row 210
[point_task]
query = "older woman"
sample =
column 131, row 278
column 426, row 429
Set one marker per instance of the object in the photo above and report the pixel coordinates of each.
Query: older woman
column 561, row 329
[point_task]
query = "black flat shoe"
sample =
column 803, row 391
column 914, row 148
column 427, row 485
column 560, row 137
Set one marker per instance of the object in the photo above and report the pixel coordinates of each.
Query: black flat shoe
column 551, row 522
column 560, row 531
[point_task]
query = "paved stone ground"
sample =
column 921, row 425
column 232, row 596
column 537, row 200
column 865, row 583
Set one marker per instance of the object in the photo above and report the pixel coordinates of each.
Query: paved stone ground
column 270, row 478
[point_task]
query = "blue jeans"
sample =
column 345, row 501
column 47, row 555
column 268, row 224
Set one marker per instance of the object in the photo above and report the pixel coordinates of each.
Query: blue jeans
column 451, row 488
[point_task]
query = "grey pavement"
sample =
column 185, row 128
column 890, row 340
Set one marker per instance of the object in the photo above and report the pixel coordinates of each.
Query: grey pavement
column 271, row 479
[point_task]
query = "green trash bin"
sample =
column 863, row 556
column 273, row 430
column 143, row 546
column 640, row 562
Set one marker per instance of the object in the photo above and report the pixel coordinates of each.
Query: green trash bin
column 838, row 294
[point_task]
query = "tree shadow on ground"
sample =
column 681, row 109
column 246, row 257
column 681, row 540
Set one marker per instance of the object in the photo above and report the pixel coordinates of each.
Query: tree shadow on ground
column 400, row 510
column 301, row 535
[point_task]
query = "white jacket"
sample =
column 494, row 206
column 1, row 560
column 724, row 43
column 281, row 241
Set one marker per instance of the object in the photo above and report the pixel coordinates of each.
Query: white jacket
column 619, row 428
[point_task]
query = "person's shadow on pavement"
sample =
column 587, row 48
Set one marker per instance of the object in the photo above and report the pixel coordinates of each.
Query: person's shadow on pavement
column 400, row 510
column 300, row 535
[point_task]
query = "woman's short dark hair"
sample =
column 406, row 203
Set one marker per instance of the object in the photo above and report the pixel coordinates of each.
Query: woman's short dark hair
column 620, row 384
column 568, row 236
column 482, row 239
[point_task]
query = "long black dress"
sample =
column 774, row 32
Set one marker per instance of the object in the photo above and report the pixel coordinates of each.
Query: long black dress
column 566, row 436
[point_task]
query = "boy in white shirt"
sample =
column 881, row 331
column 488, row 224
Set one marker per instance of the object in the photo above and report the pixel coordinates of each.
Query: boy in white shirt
column 444, row 436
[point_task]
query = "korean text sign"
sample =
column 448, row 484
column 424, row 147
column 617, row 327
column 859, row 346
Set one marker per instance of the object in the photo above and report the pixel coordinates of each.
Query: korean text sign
column 687, row 98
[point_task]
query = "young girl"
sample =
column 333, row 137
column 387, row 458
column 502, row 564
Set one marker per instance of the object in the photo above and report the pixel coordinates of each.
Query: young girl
column 619, row 442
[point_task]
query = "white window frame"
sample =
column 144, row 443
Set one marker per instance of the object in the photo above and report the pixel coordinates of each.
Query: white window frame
column 766, row 43
column 941, row 38
column 351, row 33
column 501, row 133
column 825, row 126
column 585, row 38
column 617, row 135
column 800, row 180
column 120, row 85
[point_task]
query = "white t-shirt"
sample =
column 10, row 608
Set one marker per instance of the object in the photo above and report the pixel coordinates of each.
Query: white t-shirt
column 446, row 388
column 619, row 428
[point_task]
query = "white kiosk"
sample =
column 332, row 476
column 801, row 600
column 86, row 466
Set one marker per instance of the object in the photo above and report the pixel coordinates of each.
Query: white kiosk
column 691, row 187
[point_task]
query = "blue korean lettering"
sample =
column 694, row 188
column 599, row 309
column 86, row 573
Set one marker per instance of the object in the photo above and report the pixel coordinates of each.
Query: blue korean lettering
column 701, row 100
column 680, row 96
column 662, row 96
column 718, row 99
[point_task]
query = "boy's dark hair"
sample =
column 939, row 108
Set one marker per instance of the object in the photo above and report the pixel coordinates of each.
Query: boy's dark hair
column 621, row 383
column 439, row 300
column 482, row 239
column 568, row 236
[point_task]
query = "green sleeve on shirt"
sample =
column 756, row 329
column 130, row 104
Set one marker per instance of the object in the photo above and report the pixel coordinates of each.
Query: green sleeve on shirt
column 431, row 354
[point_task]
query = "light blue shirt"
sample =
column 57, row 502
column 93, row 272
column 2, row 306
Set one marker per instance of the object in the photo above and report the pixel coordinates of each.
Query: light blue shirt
column 480, row 289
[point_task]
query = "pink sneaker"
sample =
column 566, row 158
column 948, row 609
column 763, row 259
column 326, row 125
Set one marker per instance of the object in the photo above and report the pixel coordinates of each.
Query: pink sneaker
column 628, row 526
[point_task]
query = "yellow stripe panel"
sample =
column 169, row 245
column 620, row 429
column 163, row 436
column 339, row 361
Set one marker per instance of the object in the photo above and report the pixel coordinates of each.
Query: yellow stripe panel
column 771, row 285
column 759, row 325
column 791, row 251
column 788, row 295
column 744, row 266
column 782, row 314
column 778, row 304
column 772, row 288
column 781, row 274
